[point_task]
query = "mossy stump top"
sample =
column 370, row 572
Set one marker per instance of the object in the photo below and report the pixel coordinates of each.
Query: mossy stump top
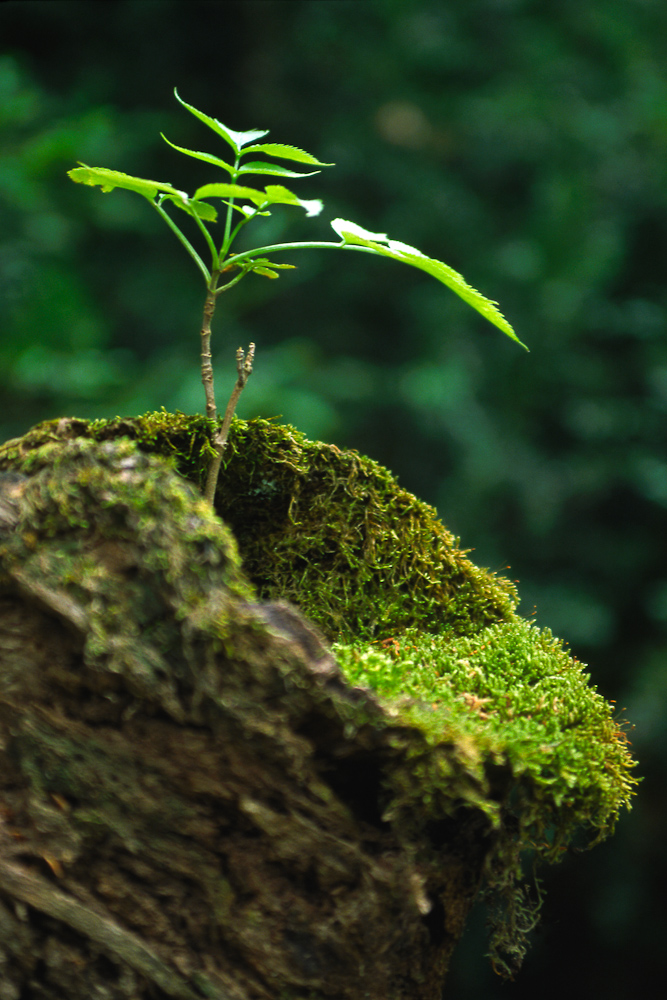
column 209, row 799
column 330, row 530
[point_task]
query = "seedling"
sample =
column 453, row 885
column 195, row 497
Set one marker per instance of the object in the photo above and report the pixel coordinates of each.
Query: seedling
column 242, row 204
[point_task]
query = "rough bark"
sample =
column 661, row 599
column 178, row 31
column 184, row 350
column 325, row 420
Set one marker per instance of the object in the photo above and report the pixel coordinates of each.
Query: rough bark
column 193, row 801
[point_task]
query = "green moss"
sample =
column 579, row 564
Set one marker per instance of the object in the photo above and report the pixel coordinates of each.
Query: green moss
column 94, row 534
column 334, row 532
column 83, row 483
column 186, row 440
column 515, row 696
column 328, row 530
column 547, row 760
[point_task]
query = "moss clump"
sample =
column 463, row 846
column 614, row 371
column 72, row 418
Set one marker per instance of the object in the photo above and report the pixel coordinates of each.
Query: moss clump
column 93, row 530
column 185, row 439
column 528, row 705
column 328, row 530
column 539, row 740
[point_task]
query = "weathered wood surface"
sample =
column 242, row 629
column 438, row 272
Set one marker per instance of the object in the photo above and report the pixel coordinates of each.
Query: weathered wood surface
column 193, row 802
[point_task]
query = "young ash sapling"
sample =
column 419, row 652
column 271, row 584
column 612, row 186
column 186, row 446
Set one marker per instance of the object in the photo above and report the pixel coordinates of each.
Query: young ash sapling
column 481, row 739
column 242, row 204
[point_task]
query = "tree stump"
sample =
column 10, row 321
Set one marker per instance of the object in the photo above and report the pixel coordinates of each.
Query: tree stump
column 192, row 797
column 196, row 800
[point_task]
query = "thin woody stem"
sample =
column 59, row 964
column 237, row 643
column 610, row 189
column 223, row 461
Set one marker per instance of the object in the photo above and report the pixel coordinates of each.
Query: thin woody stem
column 206, row 357
column 244, row 369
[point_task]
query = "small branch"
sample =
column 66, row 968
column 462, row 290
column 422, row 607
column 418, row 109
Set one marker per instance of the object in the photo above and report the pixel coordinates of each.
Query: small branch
column 183, row 239
column 238, row 258
column 234, row 281
column 244, row 369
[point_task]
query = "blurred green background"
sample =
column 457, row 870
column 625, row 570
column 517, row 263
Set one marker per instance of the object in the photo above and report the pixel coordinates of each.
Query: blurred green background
column 523, row 142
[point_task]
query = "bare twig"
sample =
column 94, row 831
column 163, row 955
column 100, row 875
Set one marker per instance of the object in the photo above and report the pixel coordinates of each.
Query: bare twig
column 244, row 368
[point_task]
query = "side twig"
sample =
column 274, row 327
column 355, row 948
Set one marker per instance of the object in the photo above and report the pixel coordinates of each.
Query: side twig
column 244, row 368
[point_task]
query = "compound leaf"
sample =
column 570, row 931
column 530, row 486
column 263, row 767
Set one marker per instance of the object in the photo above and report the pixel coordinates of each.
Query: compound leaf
column 354, row 235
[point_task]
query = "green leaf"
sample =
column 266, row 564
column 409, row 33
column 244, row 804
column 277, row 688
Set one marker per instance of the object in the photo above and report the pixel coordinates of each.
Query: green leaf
column 206, row 157
column 354, row 235
column 268, row 268
column 260, row 269
column 235, row 139
column 231, row 191
column 280, row 195
column 257, row 167
column 279, row 267
column 287, row 153
column 248, row 211
column 273, row 194
column 199, row 208
column 350, row 232
column 110, row 179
